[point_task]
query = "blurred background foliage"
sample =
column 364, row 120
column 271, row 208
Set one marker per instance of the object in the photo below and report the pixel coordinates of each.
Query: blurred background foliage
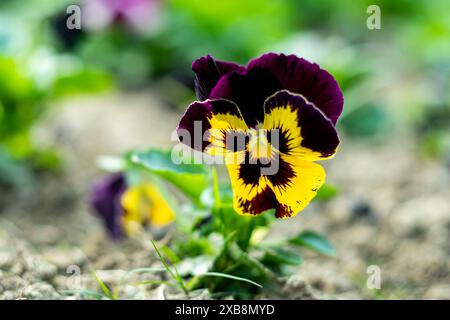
column 395, row 79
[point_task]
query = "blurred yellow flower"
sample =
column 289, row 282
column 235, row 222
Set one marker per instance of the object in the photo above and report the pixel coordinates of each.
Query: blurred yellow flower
column 144, row 204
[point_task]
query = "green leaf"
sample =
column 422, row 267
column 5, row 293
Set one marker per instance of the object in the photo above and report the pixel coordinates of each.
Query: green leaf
column 166, row 266
column 327, row 192
column 106, row 291
column 194, row 247
column 225, row 192
column 235, row 253
column 191, row 179
column 368, row 120
column 234, row 263
column 13, row 172
column 281, row 257
column 82, row 81
column 314, row 242
column 229, row 276
column 147, row 282
column 170, row 254
column 174, row 274
column 195, row 266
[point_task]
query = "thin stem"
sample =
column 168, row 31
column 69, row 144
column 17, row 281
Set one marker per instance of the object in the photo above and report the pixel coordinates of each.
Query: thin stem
column 176, row 276
column 249, row 231
column 163, row 260
column 216, row 188
column 218, row 201
column 147, row 282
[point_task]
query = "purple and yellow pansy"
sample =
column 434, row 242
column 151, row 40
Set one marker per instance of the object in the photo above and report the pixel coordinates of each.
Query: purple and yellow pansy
column 125, row 209
column 240, row 112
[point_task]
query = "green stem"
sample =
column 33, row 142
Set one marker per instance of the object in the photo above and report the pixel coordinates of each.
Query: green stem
column 250, row 226
column 218, row 202
column 175, row 275
column 216, row 188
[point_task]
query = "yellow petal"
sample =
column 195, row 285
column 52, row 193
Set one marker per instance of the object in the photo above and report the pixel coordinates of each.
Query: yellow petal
column 161, row 213
column 144, row 204
column 295, row 191
column 298, row 128
column 136, row 208
column 250, row 198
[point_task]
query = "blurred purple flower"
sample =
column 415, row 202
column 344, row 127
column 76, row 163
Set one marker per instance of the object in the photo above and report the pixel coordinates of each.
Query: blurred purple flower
column 143, row 16
column 105, row 198
column 126, row 210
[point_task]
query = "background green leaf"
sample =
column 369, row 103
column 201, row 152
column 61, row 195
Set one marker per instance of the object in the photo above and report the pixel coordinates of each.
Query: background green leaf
column 327, row 192
column 315, row 242
column 281, row 256
column 191, row 179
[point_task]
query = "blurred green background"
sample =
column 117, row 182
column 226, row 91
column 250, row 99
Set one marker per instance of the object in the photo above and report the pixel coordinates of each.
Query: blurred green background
column 395, row 78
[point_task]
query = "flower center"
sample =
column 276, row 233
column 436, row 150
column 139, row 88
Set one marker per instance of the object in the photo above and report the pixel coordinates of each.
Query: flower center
column 258, row 145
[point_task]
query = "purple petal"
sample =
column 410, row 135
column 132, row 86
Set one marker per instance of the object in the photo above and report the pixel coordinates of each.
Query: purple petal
column 208, row 71
column 316, row 132
column 196, row 121
column 303, row 77
column 248, row 89
column 105, row 199
column 274, row 72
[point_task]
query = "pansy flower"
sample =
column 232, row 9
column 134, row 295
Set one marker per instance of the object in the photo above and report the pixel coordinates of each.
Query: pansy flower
column 276, row 95
column 126, row 209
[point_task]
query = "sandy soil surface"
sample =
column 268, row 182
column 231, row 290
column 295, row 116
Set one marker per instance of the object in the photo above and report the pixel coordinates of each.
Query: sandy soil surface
column 392, row 212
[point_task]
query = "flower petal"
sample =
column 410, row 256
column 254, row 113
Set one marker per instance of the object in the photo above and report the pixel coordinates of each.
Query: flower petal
column 213, row 126
column 295, row 185
column 288, row 190
column 161, row 213
column 273, row 72
column 143, row 204
column 252, row 194
column 248, row 89
column 302, row 129
column 208, row 71
column 105, row 199
column 136, row 208
column 303, row 77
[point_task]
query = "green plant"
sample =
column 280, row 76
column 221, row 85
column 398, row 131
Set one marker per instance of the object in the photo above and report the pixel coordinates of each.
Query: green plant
column 214, row 247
